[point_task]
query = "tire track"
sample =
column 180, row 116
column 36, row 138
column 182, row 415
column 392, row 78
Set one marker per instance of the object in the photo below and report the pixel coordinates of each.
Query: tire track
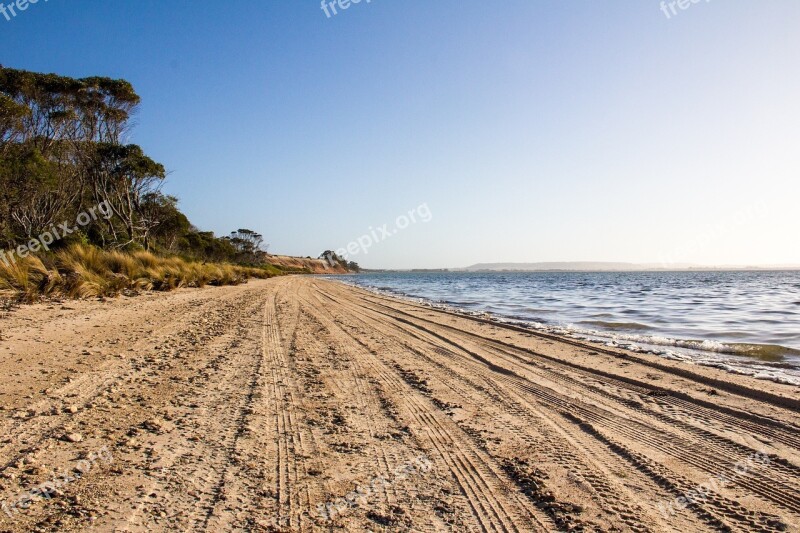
column 367, row 407
column 88, row 388
column 296, row 491
column 536, row 432
column 745, row 421
column 780, row 489
column 472, row 470
column 751, row 393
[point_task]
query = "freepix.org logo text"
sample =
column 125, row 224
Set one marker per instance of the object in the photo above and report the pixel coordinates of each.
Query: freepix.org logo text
column 10, row 10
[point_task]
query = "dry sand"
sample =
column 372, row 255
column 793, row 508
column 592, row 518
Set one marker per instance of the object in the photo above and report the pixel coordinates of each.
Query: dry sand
column 263, row 407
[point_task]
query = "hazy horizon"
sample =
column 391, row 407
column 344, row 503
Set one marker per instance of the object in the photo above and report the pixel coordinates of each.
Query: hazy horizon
column 590, row 266
column 532, row 132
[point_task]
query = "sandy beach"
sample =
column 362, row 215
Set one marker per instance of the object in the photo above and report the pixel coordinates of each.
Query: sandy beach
column 302, row 404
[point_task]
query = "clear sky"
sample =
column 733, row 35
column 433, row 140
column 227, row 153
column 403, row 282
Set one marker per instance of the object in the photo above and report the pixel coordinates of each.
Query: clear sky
column 532, row 130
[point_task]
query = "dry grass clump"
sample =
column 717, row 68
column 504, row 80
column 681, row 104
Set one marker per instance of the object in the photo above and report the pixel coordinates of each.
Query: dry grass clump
column 86, row 271
column 27, row 278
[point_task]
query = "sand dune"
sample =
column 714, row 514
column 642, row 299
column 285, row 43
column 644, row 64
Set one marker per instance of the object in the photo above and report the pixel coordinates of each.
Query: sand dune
column 300, row 404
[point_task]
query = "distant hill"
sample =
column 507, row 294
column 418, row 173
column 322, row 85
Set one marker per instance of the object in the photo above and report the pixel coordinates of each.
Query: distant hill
column 599, row 266
column 570, row 266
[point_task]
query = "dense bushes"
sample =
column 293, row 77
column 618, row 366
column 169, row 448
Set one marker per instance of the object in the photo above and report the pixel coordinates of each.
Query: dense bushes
column 62, row 154
column 81, row 271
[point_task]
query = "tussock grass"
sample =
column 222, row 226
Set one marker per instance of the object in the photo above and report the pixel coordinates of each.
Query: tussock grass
column 86, row 271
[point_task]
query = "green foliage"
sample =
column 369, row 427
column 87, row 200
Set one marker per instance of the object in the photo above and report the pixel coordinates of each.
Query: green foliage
column 61, row 154
column 247, row 244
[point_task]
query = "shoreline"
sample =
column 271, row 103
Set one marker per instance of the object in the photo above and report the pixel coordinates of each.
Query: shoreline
column 311, row 404
column 643, row 357
column 753, row 359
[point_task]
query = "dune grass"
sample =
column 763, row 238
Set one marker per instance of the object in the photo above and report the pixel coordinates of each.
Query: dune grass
column 82, row 271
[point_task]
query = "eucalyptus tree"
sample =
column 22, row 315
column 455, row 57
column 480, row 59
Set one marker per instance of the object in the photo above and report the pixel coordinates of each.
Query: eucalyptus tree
column 64, row 150
column 61, row 141
column 125, row 179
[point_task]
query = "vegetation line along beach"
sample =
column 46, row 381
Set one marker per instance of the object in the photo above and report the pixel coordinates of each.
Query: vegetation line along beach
column 83, row 213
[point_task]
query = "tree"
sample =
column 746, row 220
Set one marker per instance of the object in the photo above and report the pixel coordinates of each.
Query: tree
column 248, row 244
column 331, row 258
column 169, row 225
column 124, row 178
column 62, row 152
column 60, row 142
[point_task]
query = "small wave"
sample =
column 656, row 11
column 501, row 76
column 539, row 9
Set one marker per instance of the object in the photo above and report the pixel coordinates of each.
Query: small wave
column 535, row 310
column 766, row 352
column 616, row 325
column 763, row 352
column 772, row 362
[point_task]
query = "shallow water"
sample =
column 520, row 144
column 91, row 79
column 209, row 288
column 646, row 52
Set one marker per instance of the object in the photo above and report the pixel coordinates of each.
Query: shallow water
column 747, row 322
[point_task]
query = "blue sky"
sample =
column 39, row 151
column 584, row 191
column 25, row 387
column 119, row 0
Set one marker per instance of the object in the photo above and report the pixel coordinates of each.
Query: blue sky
column 532, row 130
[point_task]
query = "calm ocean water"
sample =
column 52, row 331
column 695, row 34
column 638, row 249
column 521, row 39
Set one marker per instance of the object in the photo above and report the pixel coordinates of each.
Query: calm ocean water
column 746, row 322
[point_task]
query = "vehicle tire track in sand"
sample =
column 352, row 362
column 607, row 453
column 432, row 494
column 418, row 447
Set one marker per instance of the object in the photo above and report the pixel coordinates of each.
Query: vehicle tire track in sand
column 744, row 421
column 705, row 455
column 249, row 408
column 750, row 392
column 778, row 485
column 86, row 389
column 354, row 392
column 293, row 444
column 718, row 510
column 535, row 431
column 197, row 466
column 481, row 482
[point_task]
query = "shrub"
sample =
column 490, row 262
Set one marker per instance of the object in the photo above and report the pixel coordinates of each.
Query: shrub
column 84, row 271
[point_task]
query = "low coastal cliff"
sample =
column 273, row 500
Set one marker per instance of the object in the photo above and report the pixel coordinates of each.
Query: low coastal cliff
column 306, row 265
